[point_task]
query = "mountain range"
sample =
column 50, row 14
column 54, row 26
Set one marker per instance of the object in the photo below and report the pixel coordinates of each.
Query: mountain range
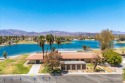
column 13, row 32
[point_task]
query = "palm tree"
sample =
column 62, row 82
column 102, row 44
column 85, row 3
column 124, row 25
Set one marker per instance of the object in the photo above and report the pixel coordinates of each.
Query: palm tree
column 58, row 41
column 41, row 43
column 84, row 47
column 50, row 40
column 5, row 54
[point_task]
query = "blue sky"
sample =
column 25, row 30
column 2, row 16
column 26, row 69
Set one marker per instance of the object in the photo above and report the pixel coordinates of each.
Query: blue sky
column 64, row 15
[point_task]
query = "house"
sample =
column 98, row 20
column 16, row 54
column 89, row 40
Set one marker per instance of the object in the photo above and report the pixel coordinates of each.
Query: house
column 69, row 61
column 75, row 60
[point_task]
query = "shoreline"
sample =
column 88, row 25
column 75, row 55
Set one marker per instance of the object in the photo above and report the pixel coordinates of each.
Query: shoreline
column 17, row 55
column 120, row 42
column 61, row 50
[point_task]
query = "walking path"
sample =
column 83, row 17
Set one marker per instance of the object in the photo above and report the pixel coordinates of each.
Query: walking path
column 35, row 69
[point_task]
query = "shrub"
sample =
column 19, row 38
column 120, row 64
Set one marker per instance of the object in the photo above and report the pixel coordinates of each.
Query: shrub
column 112, row 58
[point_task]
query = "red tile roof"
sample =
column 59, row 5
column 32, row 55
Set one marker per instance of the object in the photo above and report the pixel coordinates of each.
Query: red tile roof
column 78, row 55
column 66, row 55
column 37, row 56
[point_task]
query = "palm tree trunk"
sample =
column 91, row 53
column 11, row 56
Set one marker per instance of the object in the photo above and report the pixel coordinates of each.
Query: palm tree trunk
column 46, row 50
column 43, row 54
column 58, row 46
column 43, row 51
column 51, row 47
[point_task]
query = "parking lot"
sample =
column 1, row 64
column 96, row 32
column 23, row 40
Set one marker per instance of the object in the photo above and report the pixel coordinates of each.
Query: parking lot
column 87, row 78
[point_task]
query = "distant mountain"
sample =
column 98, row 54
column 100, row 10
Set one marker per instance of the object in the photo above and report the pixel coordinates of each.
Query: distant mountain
column 118, row 32
column 13, row 32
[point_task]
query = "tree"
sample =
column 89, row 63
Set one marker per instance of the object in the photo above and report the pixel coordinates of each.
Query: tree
column 50, row 40
column 121, row 38
column 1, row 40
column 52, row 60
column 5, row 54
column 35, row 38
column 112, row 58
column 105, row 38
column 84, row 47
column 41, row 43
column 58, row 41
column 23, row 37
column 96, row 60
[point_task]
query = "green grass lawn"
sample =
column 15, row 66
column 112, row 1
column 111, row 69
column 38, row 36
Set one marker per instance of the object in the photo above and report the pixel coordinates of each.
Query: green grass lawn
column 14, row 66
column 90, row 67
column 123, row 74
column 45, row 70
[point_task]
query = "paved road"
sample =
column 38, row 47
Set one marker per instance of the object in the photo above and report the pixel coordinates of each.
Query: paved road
column 87, row 78
column 34, row 69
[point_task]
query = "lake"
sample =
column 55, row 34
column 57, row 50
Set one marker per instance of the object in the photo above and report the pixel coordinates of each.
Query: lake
column 29, row 48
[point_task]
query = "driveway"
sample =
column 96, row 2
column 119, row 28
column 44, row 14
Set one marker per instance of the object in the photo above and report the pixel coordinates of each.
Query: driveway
column 35, row 69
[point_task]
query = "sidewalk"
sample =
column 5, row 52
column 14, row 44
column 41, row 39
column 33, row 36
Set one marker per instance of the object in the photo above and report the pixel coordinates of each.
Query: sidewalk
column 35, row 69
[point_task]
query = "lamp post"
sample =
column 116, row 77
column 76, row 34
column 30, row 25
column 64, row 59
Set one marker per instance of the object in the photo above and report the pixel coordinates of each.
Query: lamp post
column 56, row 79
column 34, row 79
column 49, row 79
column 11, row 80
column 43, row 79
column 20, row 80
column 4, row 80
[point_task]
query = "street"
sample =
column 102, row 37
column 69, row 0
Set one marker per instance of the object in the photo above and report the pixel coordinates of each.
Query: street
column 87, row 78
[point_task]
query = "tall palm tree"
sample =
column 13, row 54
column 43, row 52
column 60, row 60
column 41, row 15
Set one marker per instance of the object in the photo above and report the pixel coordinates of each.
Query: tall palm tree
column 50, row 40
column 41, row 43
column 58, row 41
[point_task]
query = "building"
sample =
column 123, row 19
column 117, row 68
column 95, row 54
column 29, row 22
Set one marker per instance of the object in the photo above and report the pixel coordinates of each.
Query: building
column 76, row 60
column 78, row 56
column 69, row 61
column 36, row 58
column 73, row 65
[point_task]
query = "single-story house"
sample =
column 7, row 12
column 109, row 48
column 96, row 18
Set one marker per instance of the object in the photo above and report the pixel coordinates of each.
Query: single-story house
column 70, row 60
column 75, row 60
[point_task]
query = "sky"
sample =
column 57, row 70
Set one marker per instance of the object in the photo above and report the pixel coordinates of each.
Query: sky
column 63, row 15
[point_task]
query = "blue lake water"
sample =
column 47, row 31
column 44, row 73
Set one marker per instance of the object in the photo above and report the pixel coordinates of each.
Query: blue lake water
column 28, row 48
